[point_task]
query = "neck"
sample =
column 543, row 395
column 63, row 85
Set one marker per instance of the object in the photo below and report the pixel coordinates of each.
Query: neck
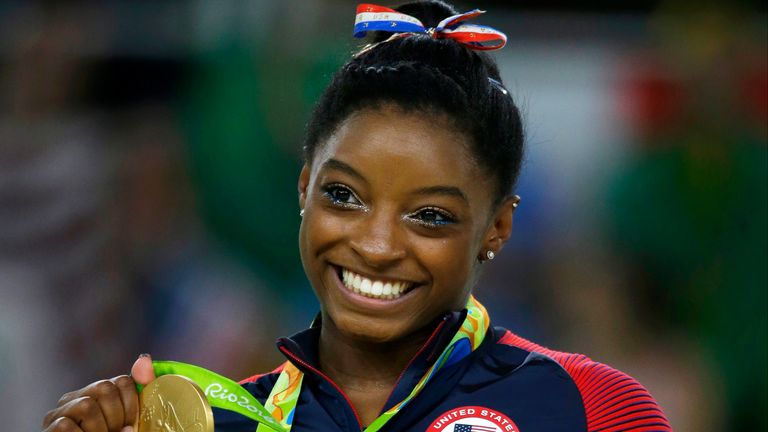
column 366, row 371
column 344, row 357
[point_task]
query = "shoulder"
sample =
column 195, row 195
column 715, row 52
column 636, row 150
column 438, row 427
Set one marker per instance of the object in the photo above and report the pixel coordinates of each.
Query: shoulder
column 612, row 399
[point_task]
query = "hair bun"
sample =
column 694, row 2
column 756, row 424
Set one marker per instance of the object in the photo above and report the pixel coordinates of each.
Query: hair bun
column 429, row 12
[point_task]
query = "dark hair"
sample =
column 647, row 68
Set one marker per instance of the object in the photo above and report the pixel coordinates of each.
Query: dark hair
column 434, row 76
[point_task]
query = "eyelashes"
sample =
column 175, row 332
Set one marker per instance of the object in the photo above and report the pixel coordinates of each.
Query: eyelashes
column 432, row 217
column 344, row 197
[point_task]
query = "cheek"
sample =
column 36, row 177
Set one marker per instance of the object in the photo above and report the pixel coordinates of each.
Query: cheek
column 449, row 260
column 314, row 237
column 318, row 233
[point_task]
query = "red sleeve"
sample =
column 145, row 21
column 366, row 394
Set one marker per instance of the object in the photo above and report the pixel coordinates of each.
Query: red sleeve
column 613, row 401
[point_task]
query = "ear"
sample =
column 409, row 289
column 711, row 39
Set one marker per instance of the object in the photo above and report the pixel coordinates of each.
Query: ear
column 303, row 185
column 500, row 229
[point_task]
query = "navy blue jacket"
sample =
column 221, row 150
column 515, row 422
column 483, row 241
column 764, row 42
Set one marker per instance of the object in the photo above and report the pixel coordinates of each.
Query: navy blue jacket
column 507, row 384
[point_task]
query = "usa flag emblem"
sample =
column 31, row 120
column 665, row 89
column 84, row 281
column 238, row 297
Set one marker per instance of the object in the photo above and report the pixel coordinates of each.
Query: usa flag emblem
column 473, row 428
column 472, row 419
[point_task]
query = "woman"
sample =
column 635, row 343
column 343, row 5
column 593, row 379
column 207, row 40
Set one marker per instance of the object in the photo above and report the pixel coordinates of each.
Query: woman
column 411, row 156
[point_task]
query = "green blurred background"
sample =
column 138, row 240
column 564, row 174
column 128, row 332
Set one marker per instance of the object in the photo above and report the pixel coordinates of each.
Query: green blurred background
column 148, row 160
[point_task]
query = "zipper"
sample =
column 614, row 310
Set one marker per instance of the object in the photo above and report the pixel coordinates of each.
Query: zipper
column 418, row 353
column 293, row 357
column 310, row 367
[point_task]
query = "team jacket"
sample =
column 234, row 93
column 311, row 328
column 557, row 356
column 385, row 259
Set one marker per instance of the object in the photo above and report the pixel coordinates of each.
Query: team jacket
column 507, row 384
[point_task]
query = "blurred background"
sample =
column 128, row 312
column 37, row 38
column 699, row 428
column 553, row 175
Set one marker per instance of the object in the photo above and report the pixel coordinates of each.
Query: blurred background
column 148, row 160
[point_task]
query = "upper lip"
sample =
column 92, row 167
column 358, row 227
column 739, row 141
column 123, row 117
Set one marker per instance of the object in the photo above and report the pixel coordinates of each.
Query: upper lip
column 383, row 278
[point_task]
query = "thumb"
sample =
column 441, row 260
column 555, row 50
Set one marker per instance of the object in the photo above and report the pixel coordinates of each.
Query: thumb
column 142, row 370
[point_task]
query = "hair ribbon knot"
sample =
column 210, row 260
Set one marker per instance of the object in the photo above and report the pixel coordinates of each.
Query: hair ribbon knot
column 372, row 17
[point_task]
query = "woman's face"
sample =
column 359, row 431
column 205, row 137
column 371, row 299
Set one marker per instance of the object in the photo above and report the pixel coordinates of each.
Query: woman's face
column 396, row 215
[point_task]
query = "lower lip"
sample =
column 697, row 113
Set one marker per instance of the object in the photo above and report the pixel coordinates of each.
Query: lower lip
column 368, row 302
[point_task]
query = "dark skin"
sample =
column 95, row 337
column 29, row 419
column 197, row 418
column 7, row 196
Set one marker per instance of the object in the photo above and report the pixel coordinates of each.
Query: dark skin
column 394, row 197
column 104, row 406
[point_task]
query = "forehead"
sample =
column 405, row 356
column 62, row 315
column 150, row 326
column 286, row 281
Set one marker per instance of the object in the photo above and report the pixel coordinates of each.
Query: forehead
column 411, row 146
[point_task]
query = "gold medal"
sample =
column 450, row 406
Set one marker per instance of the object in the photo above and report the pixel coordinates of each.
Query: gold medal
column 173, row 403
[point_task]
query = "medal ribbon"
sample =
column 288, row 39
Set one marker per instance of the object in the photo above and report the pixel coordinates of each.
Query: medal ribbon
column 224, row 393
column 372, row 17
column 285, row 394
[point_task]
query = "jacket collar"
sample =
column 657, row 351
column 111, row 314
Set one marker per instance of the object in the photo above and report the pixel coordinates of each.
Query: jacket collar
column 302, row 348
column 304, row 344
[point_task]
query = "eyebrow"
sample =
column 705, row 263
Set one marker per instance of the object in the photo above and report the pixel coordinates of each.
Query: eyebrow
column 442, row 190
column 338, row 165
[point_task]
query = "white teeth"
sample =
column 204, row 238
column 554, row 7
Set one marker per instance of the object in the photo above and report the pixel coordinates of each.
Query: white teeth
column 365, row 285
column 373, row 288
column 377, row 288
column 399, row 287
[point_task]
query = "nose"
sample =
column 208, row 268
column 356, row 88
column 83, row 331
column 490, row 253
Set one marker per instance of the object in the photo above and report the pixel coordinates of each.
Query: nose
column 378, row 239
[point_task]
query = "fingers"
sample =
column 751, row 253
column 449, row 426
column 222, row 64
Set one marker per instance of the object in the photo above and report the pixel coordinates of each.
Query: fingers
column 111, row 403
column 142, row 370
column 129, row 397
column 115, row 401
column 66, row 424
column 63, row 400
column 104, row 406
column 63, row 424
column 84, row 412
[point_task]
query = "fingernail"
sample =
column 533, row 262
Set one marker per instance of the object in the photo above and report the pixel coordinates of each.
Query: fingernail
column 127, row 429
column 141, row 356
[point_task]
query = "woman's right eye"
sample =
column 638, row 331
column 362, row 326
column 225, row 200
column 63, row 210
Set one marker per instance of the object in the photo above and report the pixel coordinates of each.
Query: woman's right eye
column 341, row 195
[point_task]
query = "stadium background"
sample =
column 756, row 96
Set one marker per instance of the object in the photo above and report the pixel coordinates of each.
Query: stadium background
column 149, row 151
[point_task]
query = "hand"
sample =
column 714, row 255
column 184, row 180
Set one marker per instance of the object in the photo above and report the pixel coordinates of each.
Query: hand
column 104, row 406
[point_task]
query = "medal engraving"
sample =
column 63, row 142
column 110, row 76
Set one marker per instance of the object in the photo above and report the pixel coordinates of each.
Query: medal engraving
column 173, row 403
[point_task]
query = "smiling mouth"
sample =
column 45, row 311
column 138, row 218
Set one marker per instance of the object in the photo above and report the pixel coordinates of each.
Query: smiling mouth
column 373, row 288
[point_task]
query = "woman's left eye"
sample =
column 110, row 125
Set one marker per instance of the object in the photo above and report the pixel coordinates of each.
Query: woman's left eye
column 432, row 217
column 341, row 195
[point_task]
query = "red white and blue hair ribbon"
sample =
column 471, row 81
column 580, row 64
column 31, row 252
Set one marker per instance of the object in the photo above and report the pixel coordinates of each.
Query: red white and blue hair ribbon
column 372, row 17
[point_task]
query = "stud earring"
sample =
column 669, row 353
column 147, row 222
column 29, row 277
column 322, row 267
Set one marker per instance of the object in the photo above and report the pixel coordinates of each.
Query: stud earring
column 301, row 212
column 490, row 255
